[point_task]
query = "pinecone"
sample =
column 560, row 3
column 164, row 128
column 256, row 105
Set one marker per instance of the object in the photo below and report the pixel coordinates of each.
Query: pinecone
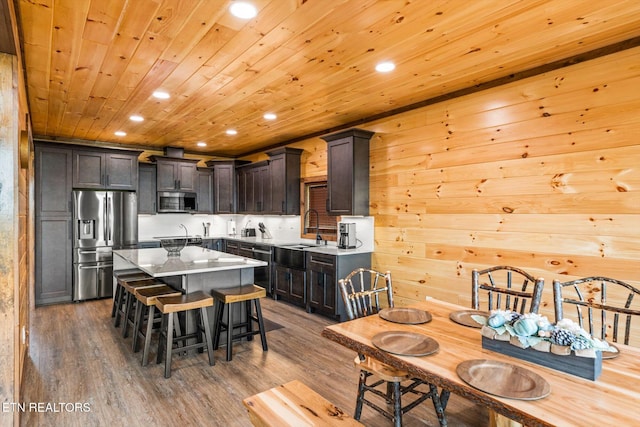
column 580, row 343
column 514, row 316
column 562, row 337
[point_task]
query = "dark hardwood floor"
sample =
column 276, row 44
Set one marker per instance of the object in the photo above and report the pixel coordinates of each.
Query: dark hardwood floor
column 76, row 356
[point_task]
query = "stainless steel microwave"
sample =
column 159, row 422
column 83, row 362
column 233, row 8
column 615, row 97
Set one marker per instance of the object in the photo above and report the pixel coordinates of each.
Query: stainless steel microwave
column 177, row 202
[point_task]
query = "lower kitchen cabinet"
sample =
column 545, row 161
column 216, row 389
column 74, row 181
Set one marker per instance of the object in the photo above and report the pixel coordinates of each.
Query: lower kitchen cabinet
column 323, row 273
column 53, row 264
column 289, row 285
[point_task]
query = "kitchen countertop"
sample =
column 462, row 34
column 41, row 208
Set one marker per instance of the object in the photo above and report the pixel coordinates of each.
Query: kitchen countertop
column 324, row 249
column 192, row 260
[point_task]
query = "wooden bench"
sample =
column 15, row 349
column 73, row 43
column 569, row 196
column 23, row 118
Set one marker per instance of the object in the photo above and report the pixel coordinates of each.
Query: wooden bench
column 294, row 404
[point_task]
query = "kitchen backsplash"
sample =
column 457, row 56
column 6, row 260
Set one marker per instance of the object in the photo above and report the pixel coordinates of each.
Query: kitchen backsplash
column 283, row 227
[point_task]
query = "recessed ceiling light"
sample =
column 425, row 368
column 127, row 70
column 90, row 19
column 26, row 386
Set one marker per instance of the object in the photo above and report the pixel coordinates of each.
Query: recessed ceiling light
column 270, row 116
column 161, row 95
column 385, row 67
column 136, row 118
column 201, row 144
column 120, row 133
column 232, row 132
column 243, row 10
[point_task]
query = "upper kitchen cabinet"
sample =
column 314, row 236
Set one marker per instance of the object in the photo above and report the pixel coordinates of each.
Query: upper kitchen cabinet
column 53, row 166
column 254, row 188
column 284, row 171
column 105, row 169
column 204, row 189
column 348, row 172
column 175, row 174
column 147, row 188
column 224, row 185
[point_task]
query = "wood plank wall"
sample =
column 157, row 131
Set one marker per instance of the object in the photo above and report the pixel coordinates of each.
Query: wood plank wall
column 542, row 174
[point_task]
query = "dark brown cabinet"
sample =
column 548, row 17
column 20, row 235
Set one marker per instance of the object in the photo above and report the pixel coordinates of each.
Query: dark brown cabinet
column 147, row 188
column 321, row 283
column 175, row 174
column 53, row 166
column 348, row 172
column 53, row 217
column 204, row 189
column 284, row 172
column 224, row 185
column 323, row 273
column 289, row 285
column 254, row 188
column 109, row 170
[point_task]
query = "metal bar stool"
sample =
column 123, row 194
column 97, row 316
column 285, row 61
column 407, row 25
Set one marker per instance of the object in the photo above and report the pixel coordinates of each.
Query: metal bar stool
column 118, row 297
column 230, row 296
column 126, row 311
column 146, row 302
column 168, row 306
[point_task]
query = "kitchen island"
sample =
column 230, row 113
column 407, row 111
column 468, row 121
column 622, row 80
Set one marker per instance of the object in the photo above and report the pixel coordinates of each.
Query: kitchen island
column 196, row 269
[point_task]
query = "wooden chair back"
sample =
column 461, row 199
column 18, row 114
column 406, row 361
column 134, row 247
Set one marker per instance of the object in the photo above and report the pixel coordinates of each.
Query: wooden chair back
column 361, row 291
column 596, row 297
column 508, row 288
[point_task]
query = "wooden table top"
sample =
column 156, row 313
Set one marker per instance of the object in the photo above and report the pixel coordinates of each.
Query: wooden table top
column 611, row 400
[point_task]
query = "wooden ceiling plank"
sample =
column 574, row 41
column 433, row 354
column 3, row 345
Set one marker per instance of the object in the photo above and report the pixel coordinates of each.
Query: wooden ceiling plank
column 68, row 20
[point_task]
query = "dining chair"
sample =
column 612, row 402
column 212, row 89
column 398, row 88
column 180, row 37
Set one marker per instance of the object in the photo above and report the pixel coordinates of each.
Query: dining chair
column 508, row 288
column 365, row 292
column 599, row 296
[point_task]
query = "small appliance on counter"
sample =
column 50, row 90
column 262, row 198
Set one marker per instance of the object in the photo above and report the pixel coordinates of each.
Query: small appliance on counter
column 346, row 235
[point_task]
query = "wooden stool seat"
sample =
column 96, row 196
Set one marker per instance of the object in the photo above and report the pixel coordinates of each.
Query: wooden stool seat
column 294, row 404
column 184, row 302
column 238, row 294
column 147, row 297
column 226, row 297
column 169, row 306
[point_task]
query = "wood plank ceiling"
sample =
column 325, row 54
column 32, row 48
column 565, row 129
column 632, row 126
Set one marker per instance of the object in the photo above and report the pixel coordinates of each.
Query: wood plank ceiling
column 91, row 64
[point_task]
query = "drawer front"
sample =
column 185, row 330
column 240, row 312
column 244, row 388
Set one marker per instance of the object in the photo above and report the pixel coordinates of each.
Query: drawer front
column 321, row 262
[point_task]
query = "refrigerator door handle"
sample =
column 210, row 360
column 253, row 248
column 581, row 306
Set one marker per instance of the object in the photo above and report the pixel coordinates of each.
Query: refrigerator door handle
column 108, row 221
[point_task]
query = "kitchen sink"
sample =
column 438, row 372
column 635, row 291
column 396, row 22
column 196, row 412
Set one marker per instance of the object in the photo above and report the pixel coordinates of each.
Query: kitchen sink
column 290, row 256
column 298, row 246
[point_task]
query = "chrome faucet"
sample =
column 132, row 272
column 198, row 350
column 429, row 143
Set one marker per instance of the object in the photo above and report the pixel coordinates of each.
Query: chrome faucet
column 318, row 236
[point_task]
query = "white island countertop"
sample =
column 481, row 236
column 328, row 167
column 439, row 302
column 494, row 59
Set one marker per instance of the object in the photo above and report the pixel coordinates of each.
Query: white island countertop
column 192, row 260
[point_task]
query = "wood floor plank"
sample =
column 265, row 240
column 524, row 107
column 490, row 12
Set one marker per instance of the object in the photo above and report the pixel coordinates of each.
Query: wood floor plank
column 76, row 356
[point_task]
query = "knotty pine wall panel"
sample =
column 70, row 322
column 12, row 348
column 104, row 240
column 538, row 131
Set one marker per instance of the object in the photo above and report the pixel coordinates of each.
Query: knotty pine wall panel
column 542, row 174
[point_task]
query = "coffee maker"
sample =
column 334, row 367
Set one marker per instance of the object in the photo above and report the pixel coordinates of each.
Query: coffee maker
column 346, row 235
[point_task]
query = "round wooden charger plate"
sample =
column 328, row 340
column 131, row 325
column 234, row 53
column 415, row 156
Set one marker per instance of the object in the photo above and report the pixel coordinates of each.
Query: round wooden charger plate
column 463, row 317
column 405, row 343
column 503, row 379
column 405, row 315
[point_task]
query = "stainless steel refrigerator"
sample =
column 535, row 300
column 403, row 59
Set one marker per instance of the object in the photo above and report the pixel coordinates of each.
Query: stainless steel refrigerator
column 102, row 221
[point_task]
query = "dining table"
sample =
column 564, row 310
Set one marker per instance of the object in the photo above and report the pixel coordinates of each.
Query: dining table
column 611, row 400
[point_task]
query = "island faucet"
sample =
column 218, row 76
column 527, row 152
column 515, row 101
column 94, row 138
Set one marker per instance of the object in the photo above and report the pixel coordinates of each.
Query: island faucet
column 318, row 236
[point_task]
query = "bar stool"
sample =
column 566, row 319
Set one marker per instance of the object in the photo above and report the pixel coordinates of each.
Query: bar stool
column 126, row 312
column 130, row 274
column 228, row 297
column 147, row 299
column 168, row 306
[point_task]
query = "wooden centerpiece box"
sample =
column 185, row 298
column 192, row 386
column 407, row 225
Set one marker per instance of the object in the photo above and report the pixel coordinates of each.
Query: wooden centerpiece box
column 585, row 364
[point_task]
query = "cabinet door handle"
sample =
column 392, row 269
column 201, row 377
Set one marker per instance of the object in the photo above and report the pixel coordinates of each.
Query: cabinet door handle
column 107, row 180
column 283, row 208
column 315, row 261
